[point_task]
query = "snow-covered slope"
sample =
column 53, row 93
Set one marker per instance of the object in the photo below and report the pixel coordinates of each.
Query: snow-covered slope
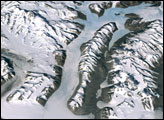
column 44, row 41
column 7, row 70
column 130, row 79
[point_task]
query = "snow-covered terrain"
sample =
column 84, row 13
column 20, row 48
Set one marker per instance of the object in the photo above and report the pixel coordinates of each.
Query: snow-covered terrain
column 131, row 80
column 40, row 57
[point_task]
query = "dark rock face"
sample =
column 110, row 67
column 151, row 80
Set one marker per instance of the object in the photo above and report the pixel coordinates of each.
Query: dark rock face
column 78, row 2
column 138, row 78
column 91, row 70
column 132, row 15
column 159, row 81
column 126, row 4
column 60, row 56
column 154, row 3
column 135, row 23
column 99, row 8
column 105, row 113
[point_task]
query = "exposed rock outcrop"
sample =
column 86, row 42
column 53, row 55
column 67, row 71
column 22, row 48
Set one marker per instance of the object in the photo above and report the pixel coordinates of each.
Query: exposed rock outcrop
column 91, row 70
column 131, row 78
column 99, row 8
